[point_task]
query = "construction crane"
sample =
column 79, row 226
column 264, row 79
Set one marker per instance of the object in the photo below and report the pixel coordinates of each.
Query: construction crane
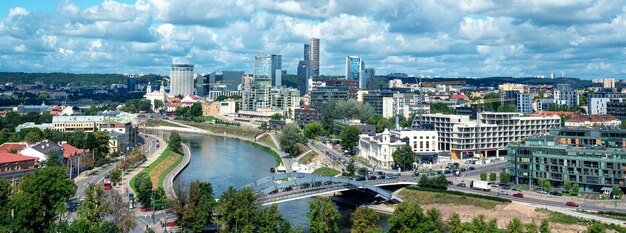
column 432, row 84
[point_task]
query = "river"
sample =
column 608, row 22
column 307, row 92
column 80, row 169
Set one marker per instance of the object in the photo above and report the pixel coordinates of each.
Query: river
column 228, row 162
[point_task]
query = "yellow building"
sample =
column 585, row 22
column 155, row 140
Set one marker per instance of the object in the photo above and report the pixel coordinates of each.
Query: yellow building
column 75, row 123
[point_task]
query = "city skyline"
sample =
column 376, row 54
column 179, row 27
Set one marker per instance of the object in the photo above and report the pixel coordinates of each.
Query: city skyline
column 448, row 38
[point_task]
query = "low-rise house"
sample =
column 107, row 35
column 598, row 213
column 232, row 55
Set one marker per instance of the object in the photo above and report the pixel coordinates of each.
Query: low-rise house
column 593, row 120
column 72, row 158
column 13, row 147
column 42, row 150
column 13, row 167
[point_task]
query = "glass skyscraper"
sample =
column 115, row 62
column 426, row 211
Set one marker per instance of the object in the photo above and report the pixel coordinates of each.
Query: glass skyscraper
column 267, row 66
column 314, row 56
column 354, row 67
column 367, row 78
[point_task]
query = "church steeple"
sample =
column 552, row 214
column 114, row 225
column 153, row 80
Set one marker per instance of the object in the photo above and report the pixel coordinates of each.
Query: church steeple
column 149, row 88
column 162, row 88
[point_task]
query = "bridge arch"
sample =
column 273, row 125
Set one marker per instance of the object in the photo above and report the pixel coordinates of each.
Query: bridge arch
column 266, row 185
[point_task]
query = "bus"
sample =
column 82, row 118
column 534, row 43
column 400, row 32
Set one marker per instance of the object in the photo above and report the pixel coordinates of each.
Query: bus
column 107, row 184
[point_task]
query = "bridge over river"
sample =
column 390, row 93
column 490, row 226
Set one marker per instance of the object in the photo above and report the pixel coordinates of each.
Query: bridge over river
column 285, row 187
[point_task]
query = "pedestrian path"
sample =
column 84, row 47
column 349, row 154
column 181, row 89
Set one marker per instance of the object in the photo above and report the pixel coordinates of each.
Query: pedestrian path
column 168, row 182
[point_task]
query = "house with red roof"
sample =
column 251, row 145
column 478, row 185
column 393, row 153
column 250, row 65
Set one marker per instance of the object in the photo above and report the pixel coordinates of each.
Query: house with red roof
column 552, row 113
column 593, row 121
column 459, row 96
column 13, row 167
column 13, row 147
column 72, row 158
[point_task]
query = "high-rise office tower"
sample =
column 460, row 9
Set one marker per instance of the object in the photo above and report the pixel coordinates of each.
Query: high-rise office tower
column 181, row 79
column 304, row 73
column 131, row 83
column 232, row 79
column 367, row 78
column 307, row 52
column 199, row 85
column 315, row 57
column 266, row 66
column 354, row 67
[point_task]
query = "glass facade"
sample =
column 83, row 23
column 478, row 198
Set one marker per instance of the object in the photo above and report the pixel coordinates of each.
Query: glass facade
column 266, row 66
column 353, row 67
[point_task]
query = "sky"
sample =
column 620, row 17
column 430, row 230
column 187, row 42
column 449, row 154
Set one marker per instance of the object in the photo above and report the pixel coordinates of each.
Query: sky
column 449, row 38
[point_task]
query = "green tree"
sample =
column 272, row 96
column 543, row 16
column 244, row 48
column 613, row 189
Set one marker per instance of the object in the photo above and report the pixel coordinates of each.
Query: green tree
column 409, row 217
column 313, row 130
column 507, row 108
column 483, row 176
column 272, row 221
column 239, row 210
column 425, row 181
column 108, row 227
column 365, row 220
column 349, row 137
column 492, row 176
column 195, row 110
column 623, row 125
column 91, row 111
column 403, row 157
column 158, row 104
column 505, row 178
column 440, row 108
column 32, row 137
column 175, row 143
column 143, row 185
column 277, row 117
column 289, row 138
column 263, row 126
column 545, row 226
column 454, row 223
column 197, row 209
column 53, row 159
column 40, row 198
column 94, row 207
column 616, row 191
column 575, row 189
column 323, row 216
column 515, row 226
column 582, row 99
column 531, row 227
column 116, row 175
column 567, row 186
column 596, row 227
column 351, row 169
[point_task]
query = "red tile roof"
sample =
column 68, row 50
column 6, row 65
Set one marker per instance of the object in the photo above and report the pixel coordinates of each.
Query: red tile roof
column 6, row 157
column 550, row 113
column 8, row 146
column 593, row 118
column 456, row 96
column 69, row 150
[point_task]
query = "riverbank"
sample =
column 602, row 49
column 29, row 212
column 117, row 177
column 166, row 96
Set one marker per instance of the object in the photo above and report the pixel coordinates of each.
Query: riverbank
column 174, row 171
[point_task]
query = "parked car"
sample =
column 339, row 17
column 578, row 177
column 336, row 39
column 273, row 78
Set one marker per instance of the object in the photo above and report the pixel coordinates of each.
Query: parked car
column 471, row 168
column 520, row 195
column 287, row 189
column 373, row 177
column 450, row 183
column 462, row 185
column 505, row 186
column 541, row 191
column 571, row 204
column 556, row 193
column 495, row 185
column 360, row 178
column 274, row 191
column 502, row 192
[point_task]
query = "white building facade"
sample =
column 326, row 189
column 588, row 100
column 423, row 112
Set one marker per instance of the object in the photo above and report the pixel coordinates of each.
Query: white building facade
column 181, row 79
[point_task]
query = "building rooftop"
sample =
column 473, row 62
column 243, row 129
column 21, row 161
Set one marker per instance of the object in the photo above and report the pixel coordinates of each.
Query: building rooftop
column 69, row 150
column 63, row 119
column 593, row 118
column 6, row 157
column 9, row 146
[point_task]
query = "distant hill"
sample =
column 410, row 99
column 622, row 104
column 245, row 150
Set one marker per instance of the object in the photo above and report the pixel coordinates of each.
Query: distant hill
column 64, row 79
column 495, row 81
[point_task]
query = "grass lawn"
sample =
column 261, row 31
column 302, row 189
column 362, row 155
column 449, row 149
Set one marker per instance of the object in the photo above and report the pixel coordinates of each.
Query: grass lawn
column 157, row 175
column 326, row 171
column 557, row 217
column 154, row 123
column 166, row 153
column 306, row 159
column 232, row 130
column 426, row 197
column 267, row 140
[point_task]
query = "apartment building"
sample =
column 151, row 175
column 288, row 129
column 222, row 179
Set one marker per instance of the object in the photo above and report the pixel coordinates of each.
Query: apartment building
column 379, row 148
column 488, row 135
column 75, row 123
column 592, row 158
column 403, row 105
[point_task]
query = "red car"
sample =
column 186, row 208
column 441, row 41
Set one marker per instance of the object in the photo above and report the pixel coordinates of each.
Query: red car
column 572, row 204
column 274, row 191
column 520, row 195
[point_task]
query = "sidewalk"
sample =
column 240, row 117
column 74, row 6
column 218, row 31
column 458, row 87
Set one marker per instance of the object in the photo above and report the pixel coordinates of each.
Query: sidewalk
column 149, row 159
column 168, row 182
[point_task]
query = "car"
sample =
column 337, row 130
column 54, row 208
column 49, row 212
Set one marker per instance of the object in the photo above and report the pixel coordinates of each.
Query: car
column 520, row 195
column 328, row 182
column 287, row 189
column 274, row 191
column 571, row 204
column 450, row 183
column 360, row 178
column 106, row 176
column 502, row 192
column 380, row 173
column 381, row 177
column 495, row 185
column 541, row 191
column 471, row 168
column 305, row 185
column 505, row 186
column 463, row 169
column 462, row 185
column 392, row 176
column 447, row 172
column 556, row 193
column 373, row 177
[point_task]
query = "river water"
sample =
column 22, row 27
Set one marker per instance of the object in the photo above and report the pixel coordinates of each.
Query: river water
column 228, row 162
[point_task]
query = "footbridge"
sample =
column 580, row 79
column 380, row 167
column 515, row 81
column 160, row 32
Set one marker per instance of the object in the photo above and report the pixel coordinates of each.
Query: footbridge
column 285, row 187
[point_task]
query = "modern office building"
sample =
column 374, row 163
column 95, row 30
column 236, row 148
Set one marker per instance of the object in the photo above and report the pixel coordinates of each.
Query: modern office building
column 315, row 57
column 200, row 85
column 375, row 97
column 566, row 93
column 132, row 83
column 367, row 78
column 591, row 158
column 181, row 79
column 617, row 108
column 525, row 102
column 352, row 85
column 267, row 66
column 322, row 95
column 304, row 73
column 486, row 136
column 354, row 67
column 232, row 79
column 307, row 52
column 263, row 98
